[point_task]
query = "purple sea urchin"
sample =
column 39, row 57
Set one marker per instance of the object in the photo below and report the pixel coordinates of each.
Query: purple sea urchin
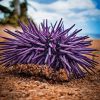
column 51, row 45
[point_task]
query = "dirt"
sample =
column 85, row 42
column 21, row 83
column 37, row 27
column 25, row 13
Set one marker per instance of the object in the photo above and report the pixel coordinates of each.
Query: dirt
column 15, row 85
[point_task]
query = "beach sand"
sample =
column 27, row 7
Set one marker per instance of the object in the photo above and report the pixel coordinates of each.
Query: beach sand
column 19, row 87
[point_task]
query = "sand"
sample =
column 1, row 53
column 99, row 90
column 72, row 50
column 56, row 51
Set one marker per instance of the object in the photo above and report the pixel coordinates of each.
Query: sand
column 34, row 87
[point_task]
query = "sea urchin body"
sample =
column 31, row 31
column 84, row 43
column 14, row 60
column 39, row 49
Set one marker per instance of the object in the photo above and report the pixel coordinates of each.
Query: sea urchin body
column 51, row 45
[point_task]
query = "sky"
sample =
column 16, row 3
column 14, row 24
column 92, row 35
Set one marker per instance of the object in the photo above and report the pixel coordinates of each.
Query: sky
column 84, row 13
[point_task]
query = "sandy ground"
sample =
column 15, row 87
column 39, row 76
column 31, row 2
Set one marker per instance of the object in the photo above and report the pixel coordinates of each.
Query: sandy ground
column 34, row 87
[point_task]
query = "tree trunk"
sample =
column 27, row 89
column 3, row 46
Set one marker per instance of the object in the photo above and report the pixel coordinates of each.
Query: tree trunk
column 17, row 7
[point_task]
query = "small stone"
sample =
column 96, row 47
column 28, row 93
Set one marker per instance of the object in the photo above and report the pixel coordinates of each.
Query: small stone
column 70, row 93
column 37, row 83
column 40, row 94
column 43, row 86
column 61, row 93
column 62, row 97
column 27, row 94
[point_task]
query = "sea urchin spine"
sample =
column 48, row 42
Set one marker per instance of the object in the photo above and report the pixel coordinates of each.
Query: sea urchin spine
column 51, row 45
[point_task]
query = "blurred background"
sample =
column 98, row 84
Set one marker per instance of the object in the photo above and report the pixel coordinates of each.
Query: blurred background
column 84, row 13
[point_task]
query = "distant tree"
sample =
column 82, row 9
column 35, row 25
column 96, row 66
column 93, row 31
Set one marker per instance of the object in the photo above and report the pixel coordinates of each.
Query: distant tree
column 19, row 12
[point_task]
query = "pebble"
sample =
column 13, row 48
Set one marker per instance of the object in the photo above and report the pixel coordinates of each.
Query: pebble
column 43, row 86
column 37, row 83
column 40, row 94
column 70, row 93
